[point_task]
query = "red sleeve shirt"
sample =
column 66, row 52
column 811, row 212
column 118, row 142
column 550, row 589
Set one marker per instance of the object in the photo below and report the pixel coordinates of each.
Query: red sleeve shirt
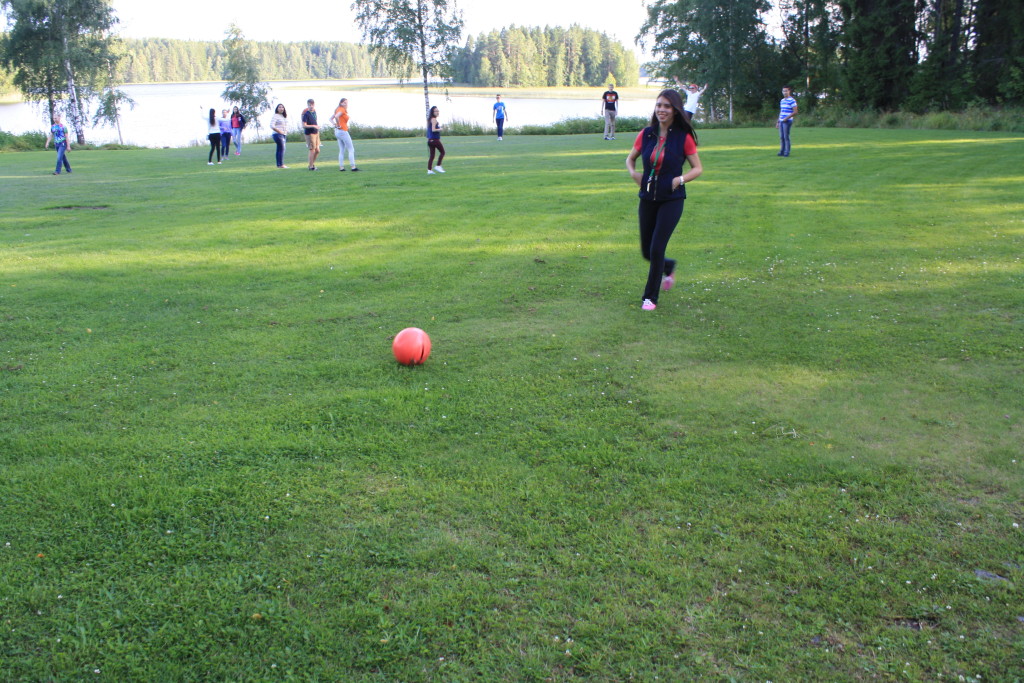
column 657, row 156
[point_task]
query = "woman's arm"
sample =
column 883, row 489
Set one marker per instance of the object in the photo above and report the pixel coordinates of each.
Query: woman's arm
column 689, row 176
column 631, row 166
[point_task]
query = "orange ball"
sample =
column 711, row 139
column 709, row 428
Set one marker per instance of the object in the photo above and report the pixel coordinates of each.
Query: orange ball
column 411, row 346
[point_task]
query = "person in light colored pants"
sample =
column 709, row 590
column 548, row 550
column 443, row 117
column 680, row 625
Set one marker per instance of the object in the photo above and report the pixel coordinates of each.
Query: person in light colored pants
column 340, row 121
column 610, row 107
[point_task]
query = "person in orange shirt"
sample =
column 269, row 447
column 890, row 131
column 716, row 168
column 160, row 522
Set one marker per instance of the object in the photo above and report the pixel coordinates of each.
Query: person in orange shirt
column 340, row 121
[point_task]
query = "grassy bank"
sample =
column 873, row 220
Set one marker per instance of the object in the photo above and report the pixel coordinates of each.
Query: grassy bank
column 805, row 465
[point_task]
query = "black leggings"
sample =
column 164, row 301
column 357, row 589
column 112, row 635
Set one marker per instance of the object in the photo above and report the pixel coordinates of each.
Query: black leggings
column 214, row 146
column 657, row 222
column 435, row 145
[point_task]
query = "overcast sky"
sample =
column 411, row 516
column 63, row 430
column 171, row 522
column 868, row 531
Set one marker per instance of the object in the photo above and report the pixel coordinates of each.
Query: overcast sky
column 264, row 20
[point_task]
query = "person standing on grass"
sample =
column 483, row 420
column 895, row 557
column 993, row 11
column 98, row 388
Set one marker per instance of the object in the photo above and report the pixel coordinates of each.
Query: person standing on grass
column 279, row 124
column 499, row 116
column 224, row 122
column 663, row 147
column 237, row 124
column 212, row 134
column 434, row 141
column 312, row 130
column 610, row 108
column 692, row 95
column 787, row 112
column 59, row 134
column 340, row 121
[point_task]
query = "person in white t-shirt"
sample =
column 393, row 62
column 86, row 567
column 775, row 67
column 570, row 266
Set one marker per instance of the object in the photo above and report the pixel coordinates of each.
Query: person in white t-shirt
column 692, row 95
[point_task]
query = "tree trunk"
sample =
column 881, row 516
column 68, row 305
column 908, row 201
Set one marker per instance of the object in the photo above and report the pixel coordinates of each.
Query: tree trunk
column 730, row 100
column 423, row 57
column 77, row 111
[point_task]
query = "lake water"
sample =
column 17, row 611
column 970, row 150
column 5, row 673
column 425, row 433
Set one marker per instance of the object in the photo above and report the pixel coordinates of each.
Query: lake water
column 173, row 115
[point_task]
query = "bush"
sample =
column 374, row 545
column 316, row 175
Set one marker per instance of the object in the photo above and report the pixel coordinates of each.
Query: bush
column 973, row 118
column 22, row 143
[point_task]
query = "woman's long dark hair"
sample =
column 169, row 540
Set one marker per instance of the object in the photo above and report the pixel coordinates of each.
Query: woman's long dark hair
column 678, row 120
column 284, row 112
column 431, row 114
column 213, row 116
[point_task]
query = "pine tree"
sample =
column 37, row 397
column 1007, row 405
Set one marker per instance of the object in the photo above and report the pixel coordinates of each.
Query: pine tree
column 879, row 52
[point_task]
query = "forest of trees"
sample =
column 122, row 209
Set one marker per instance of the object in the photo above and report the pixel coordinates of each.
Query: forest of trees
column 510, row 57
column 881, row 55
column 159, row 60
column 517, row 56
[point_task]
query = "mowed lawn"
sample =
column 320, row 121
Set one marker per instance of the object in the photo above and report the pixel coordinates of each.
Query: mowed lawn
column 806, row 464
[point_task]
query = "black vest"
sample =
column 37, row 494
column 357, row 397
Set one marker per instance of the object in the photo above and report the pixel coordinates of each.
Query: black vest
column 659, row 187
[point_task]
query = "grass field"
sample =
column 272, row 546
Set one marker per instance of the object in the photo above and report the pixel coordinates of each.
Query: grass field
column 806, row 464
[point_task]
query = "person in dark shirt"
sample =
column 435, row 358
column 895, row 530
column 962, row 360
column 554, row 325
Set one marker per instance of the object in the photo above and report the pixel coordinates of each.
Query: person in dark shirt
column 312, row 130
column 610, row 102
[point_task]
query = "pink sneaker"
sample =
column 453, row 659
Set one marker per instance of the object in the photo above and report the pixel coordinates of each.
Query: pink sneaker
column 668, row 281
column 649, row 305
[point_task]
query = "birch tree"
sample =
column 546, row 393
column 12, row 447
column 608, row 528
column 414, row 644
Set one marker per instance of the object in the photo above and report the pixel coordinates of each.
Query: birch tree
column 412, row 35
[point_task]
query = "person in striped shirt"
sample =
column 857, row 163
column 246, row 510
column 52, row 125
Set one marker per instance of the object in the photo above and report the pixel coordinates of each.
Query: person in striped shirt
column 787, row 111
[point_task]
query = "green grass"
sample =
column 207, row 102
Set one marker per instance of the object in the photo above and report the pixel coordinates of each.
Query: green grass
column 212, row 469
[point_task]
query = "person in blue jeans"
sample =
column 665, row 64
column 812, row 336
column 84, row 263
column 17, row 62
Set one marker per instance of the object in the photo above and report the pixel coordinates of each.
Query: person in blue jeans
column 664, row 147
column 787, row 111
column 499, row 116
column 237, row 124
column 225, row 133
column 59, row 134
column 279, row 124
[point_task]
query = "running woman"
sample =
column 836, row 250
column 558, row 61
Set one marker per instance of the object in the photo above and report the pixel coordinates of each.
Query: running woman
column 434, row 141
column 340, row 121
column 663, row 146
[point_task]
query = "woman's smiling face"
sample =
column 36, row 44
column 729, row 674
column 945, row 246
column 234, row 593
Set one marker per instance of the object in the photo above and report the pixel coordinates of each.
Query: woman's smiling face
column 663, row 110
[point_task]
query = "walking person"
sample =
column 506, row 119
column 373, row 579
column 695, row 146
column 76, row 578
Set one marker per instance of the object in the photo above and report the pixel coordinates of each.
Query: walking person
column 237, row 124
column 610, row 102
column 312, row 130
column 340, row 121
column 434, row 141
column 59, row 134
column 663, row 147
column 213, row 135
column 279, row 124
column 499, row 115
column 787, row 112
column 224, row 122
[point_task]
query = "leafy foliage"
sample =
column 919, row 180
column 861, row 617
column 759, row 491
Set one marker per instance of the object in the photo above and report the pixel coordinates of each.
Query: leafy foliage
column 712, row 42
column 549, row 56
column 156, row 60
column 60, row 51
column 242, row 72
column 412, row 35
column 108, row 109
column 882, row 55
